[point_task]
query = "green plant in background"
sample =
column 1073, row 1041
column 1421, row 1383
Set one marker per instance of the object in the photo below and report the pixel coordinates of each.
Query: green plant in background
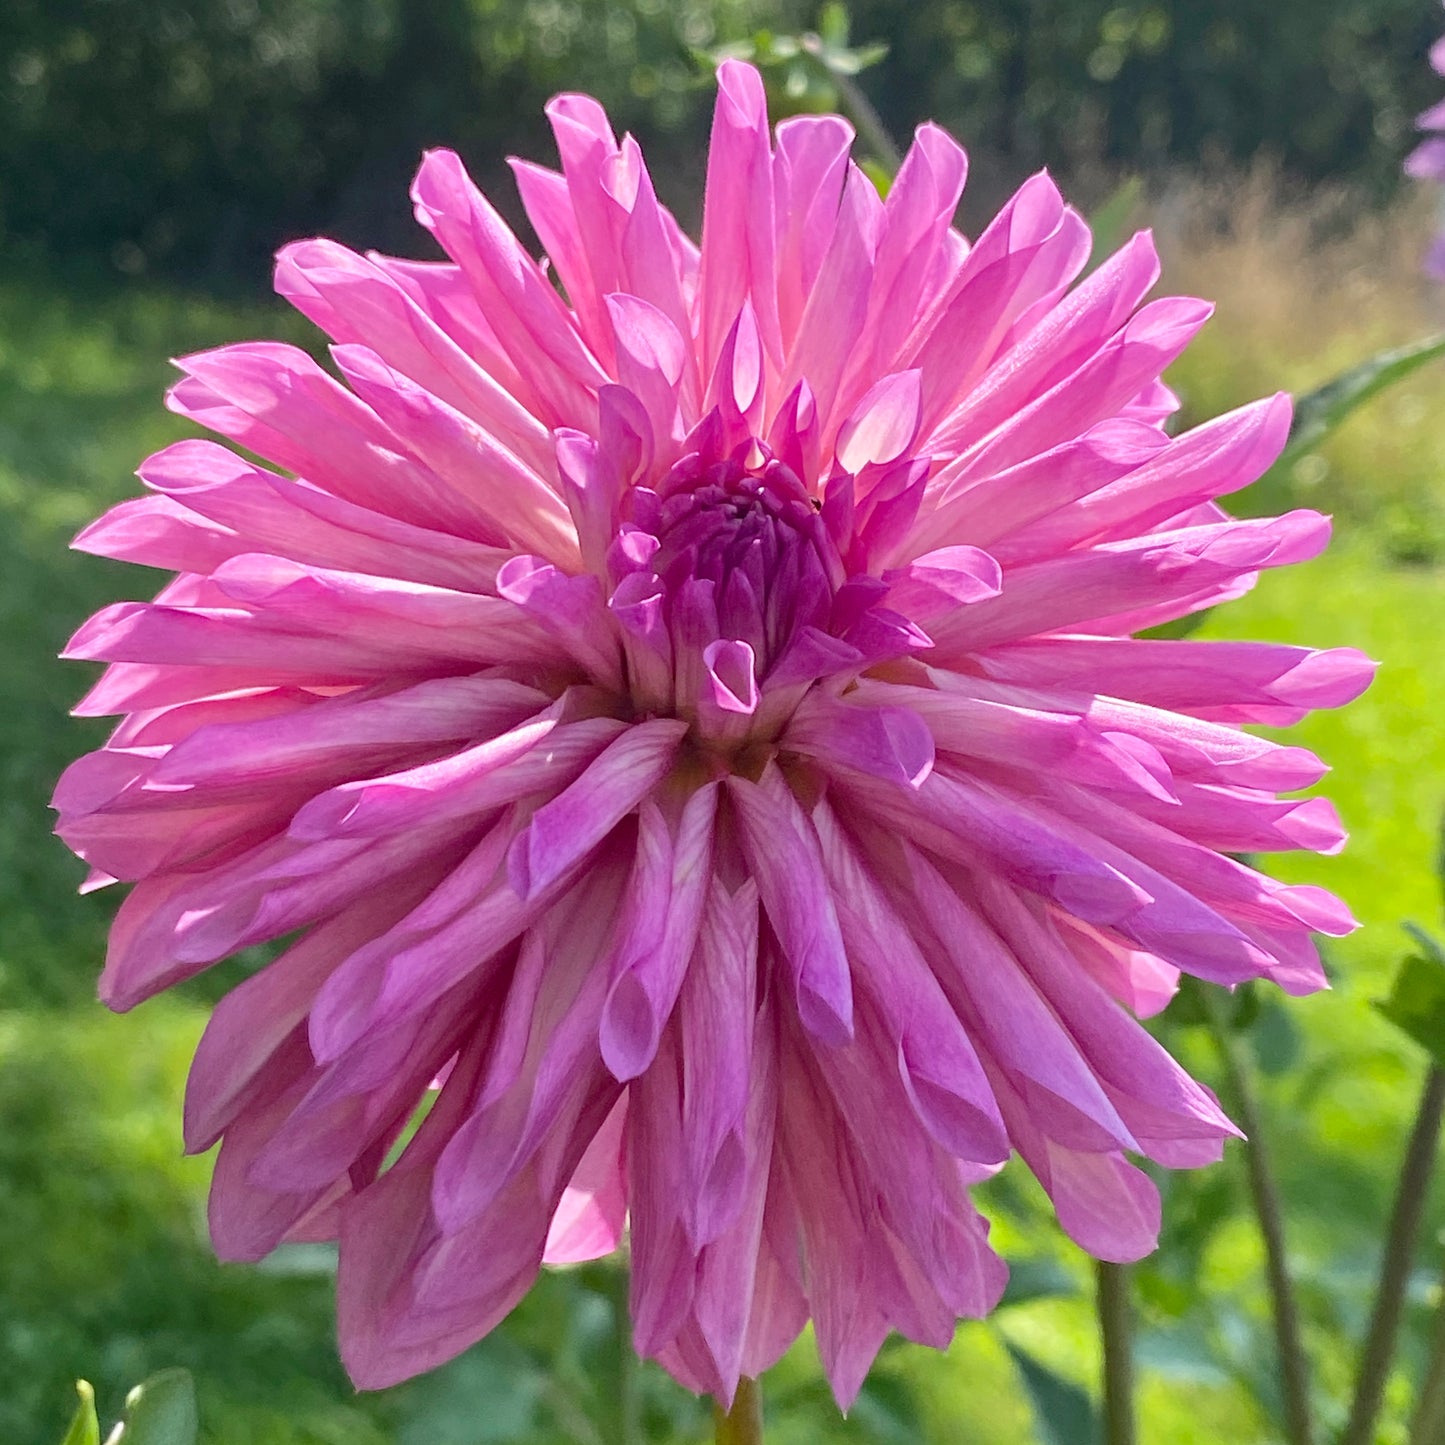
column 85, row 1427
column 190, row 138
column 159, row 1411
column 1417, row 1006
column 1331, row 405
column 817, row 72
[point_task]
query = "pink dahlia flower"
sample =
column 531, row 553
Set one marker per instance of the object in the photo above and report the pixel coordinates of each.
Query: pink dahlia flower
column 677, row 704
column 1427, row 161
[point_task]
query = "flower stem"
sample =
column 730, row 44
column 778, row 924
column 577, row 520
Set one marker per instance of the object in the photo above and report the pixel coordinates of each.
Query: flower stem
column 854, row 103
column 743, row 1424
column 1116, row 1328
column 1429, row 1422
column 629, row 1412
column 1293, row 1362
column 1379, row 1349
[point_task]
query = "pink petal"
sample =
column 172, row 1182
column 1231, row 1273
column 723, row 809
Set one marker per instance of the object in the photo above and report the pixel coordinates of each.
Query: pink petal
column 536, row 758
column 473, row 464
column 540, row 336
column 808, row 178
column 737, row 225
column 357, row 302
column 563, row 831
column 718, row 1005
column 589, row 1221
column 837, row 307
column 732, row 676
column 940, row 1070
column 1106, row 1206
column 941, row 580
column 883, row 425
column 893, row 743
column 668, row 892
column 782, row 851
column 1236, row 682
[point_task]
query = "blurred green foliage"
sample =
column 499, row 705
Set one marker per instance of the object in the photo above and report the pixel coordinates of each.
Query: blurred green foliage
column 1328, row 86
column 84, row 1427
column 160, row 1411
column 1416, row 1003
column 194, row 135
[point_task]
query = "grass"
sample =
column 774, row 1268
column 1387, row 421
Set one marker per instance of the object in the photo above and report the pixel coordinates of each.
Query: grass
column 1306, row 287
column 104, row 1268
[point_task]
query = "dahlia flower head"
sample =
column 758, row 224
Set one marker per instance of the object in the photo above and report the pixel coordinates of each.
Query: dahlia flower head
column 1427, row 161
column 677, row 705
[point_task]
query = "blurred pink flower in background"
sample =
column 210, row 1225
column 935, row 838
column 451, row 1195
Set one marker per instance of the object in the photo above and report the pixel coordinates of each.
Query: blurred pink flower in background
column 693, row 727
column 1427, row 161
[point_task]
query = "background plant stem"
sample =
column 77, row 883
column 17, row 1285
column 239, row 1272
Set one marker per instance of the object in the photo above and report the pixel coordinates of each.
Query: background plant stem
column 1428, row 1426
column 629, row 1410
column 1116, row 1329
column 859, row 109
column 743, row 1424
column 1293, row 1363
column 1379, row 1347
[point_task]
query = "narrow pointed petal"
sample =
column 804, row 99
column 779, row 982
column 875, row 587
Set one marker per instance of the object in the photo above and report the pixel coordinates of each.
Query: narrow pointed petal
column 670, row 889
column 783, row 853
column 564, row 830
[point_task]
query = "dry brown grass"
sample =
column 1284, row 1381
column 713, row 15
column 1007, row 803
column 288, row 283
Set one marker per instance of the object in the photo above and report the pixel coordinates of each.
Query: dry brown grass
column 1307, row 286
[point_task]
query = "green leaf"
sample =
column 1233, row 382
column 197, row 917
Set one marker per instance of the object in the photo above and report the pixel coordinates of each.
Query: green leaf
column 161, row 1411
column 1034, row 1279
column 1197, row 1205
column 1183, row 1354
column 1243, row 1007
column 1194, row 1005
column 1427, row 942
column 1440, row 853
column 1188, row 1008
column 1110, row 222
column 1274, row 1038
column 833, row 25
column 1416, row 1004
column 1322, row 410
column 865, row 57
column 85, row 1427
column 1064, row 1413
column 445, row 1411
column 887, row 1411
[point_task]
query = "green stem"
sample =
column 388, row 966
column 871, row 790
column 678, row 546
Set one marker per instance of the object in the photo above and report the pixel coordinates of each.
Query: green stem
column 1428, row 1426
column 1379, row 1348
column 1116, row 1329
column 629, row 1404
column 855, row 104
column 1293, row 1362
column 743, row 1424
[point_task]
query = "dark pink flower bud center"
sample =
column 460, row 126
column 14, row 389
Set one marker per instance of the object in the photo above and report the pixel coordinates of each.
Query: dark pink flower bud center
column 724, row 579
column 753, row 543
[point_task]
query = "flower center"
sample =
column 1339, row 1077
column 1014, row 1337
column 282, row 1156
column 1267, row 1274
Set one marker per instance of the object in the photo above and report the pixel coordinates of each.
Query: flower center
column 753, row 543
column 716, row 576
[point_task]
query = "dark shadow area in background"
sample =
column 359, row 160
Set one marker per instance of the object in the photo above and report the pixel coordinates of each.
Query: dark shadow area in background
column 191, row 137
